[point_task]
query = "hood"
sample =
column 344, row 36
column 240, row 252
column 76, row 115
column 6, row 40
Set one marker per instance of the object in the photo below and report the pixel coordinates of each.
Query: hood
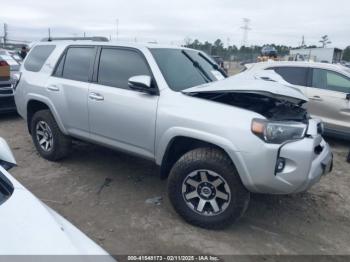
column 266, row 83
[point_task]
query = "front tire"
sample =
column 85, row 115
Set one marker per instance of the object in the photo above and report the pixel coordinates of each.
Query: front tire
column 48, row 139
column 205, row 189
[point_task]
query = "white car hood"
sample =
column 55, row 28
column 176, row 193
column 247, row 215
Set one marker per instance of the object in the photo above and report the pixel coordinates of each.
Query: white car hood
column 29, row 227
column 266, row 83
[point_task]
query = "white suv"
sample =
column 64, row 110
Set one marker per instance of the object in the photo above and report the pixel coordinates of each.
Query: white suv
column 217, row 139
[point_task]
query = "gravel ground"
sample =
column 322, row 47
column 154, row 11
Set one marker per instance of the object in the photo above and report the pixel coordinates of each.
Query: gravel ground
column 131, row 214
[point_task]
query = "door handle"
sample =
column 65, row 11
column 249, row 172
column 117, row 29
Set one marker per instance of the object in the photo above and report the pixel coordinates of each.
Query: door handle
column 96, row 96
column 316, row 98
column 53, row 88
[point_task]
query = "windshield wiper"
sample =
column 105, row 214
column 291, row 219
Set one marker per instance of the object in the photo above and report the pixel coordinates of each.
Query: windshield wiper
column 214, row 65
column 197, row 65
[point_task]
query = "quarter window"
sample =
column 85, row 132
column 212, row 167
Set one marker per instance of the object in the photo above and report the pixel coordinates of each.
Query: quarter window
column 37, row 57
column 325, row 79
column 293, row 75
column 59, row 67
column 118, row 65
column 78, row 63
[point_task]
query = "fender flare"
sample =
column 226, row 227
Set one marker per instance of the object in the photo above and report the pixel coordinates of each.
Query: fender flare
column 49, row 104
column 166, row 139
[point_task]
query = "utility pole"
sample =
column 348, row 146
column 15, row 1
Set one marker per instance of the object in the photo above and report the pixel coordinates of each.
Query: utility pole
column 303, row 42
column 245, row 27
column 117, row 23
column 49, row 31
column 5, row 34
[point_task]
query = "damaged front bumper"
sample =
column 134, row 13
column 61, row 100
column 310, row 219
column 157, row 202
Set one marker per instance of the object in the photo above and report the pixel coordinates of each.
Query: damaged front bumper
column 304, row 163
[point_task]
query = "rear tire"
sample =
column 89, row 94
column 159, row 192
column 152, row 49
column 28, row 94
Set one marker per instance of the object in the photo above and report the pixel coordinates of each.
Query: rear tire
column 48, row 139
column 205, row 189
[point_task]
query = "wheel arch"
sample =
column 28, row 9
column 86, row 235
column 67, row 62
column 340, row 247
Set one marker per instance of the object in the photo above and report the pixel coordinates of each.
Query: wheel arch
column 178, row 145
column 35, row 104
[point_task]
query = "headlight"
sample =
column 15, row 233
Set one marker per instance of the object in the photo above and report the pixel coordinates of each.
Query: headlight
column 15, row 77
column 277, row 132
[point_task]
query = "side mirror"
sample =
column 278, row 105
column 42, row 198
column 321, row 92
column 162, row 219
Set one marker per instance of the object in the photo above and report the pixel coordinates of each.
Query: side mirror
column 7, row 160
column 142, row 83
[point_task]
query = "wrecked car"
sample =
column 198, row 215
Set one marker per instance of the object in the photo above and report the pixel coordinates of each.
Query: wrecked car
column 30, row 227
column 215, row 139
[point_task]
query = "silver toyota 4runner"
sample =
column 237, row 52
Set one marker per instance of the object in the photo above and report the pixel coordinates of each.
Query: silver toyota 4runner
column 215, row 138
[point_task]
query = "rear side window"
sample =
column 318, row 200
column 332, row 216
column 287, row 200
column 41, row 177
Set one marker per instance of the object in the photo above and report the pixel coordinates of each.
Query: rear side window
column 325, row 79
column 293, row 75
column 37, row 57
column 118, row 65
column 77, row 63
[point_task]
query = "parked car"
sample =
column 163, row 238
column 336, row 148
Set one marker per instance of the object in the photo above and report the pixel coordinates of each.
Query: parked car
column 326, row 85
column 215, row 141
column 13, row 54
column 269, row 51
column 219, row 60
column 30, row 226
column 9, row 74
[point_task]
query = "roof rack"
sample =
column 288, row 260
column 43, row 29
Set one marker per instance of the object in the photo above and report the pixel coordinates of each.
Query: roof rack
column 93, row 38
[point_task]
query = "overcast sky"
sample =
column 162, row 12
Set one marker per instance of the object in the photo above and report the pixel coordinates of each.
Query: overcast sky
column 170, row 22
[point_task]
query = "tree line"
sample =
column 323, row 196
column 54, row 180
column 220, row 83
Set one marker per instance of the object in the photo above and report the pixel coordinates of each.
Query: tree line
column 244, row 53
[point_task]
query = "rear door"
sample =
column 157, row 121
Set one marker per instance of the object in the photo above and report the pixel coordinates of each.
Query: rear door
column 329, row 99
column 69, row 86
column 121, row 117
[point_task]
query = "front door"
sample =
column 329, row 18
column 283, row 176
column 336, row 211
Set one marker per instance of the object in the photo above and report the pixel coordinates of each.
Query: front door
column 120, row 117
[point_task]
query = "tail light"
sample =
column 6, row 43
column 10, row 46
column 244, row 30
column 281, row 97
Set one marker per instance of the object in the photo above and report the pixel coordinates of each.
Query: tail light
column 4, row 70
column 3, row 63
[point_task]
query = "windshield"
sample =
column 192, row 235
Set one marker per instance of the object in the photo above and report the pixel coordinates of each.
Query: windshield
column 183, row 68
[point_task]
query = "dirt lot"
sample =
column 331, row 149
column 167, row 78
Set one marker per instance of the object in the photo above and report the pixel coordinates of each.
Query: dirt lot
column 119, row 218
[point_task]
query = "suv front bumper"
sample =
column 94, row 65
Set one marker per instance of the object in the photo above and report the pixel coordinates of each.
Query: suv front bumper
column 306, row 161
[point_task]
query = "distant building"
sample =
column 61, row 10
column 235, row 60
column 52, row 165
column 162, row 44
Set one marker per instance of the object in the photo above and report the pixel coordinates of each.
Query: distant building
column 324, row 55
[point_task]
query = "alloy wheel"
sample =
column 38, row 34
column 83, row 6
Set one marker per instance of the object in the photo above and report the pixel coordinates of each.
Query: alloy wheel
column 206, row 192
column 44, row 136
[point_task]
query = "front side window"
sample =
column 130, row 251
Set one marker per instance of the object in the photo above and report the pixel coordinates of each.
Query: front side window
column 325, row 79
column 77, row 63
column 37, row 57
column 183, row 69
column 293, row 75
column 118, row 65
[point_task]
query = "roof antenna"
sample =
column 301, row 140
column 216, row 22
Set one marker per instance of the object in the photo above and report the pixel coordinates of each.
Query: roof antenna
column 49, row 39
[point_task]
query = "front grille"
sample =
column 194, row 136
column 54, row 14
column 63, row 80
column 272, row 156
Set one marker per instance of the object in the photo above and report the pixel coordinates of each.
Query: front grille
column 5, row 84
column 7, row 103
column 6, row 91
